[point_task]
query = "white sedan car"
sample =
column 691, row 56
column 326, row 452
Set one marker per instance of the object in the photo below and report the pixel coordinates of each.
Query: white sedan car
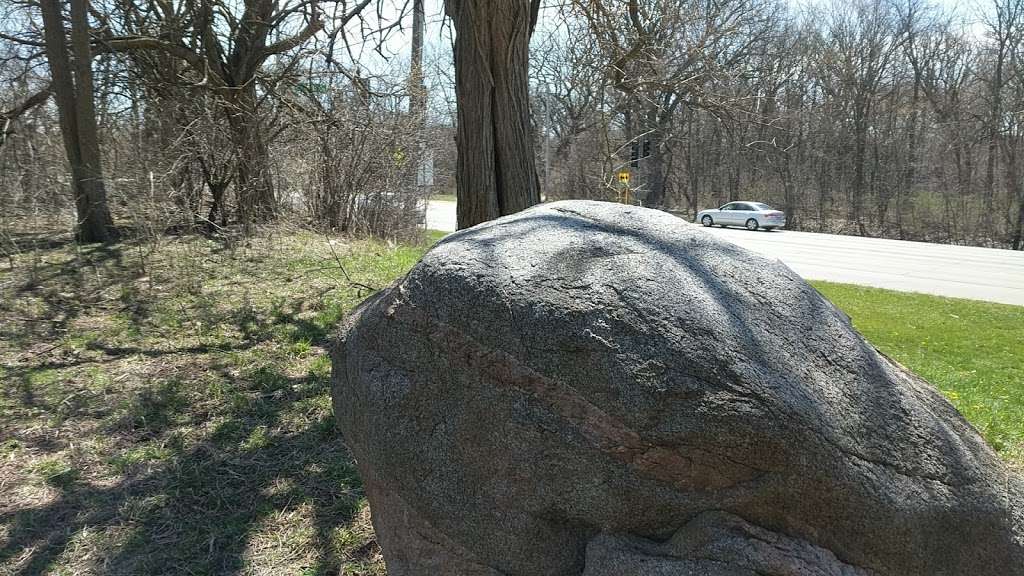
column 752, row 215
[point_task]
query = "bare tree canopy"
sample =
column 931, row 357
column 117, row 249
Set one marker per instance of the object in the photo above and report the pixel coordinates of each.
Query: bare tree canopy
column 893, row 118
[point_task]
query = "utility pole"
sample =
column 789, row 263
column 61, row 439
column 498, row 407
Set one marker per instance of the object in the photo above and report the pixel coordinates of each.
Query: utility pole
column 417, row 88
column 417, row 101
column 547, row 143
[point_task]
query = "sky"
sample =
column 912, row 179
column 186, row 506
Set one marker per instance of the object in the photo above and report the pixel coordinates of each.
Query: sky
column 437, row 34
column 394, row 54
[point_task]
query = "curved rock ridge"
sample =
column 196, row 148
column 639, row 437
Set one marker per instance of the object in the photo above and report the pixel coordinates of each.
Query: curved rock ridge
column 592, row 388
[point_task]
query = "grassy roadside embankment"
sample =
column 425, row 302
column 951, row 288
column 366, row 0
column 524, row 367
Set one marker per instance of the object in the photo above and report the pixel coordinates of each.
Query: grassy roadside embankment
column 972, row 351
column 165, row 409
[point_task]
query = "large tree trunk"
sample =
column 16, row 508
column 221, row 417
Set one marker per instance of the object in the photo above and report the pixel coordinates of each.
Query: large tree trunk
column 73, row 92
column 254, row 185
column 496, row 173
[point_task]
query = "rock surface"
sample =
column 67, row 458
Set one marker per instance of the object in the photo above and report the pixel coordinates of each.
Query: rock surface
column 590, row 388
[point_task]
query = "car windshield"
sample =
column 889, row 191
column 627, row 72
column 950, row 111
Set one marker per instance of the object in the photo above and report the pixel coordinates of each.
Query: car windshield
column 760, row 206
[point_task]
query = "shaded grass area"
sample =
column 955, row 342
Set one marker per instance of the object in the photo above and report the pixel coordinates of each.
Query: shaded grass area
column 972, row 351
column 165, row 409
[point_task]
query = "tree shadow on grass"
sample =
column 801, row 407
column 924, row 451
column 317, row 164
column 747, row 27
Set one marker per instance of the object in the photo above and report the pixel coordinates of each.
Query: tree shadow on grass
column 28, row 241
column 262, row 464
column 183, row 483
column 62, row 288
column 197, row 511
column 71, row 268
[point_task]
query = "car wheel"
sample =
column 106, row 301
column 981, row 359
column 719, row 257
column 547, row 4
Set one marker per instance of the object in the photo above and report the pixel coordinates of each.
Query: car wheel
column 707, row 221
column 751, row 224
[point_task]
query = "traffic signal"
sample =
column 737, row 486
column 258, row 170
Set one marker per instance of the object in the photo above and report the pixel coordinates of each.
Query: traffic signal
column 647, row 148
column 634, row 154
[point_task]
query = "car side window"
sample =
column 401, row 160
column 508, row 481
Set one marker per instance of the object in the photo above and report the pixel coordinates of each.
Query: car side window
column 729, row 207
column 741, row 206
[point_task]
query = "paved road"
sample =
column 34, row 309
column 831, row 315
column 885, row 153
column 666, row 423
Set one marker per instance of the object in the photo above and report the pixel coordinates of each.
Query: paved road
column 957, row 271
column 441, row 216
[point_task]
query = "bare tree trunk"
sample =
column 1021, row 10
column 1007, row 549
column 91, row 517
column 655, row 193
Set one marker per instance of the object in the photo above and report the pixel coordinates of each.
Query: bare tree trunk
column 990, row 178
column 254, row 185
column 73, row 92
column 655, row 172
column 218, row 186
column 417, row 150
column 824, row 190
column 857, row 192
column 906, row 188
column 1018, row 233
column 693, row 174
column 693, row 163
column 496, row 172
column 417, row 89
column 788, row 196
column 655, row 162
column 1001, row 30
column 1013, row 184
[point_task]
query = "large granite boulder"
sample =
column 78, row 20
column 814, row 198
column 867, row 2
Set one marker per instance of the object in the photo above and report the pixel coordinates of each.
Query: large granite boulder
column 591, row 388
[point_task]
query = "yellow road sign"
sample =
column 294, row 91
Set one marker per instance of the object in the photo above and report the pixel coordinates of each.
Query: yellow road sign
column 624, row 177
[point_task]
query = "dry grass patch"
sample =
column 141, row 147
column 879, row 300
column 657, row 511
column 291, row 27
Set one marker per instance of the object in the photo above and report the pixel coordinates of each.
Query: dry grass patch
column 165, row 407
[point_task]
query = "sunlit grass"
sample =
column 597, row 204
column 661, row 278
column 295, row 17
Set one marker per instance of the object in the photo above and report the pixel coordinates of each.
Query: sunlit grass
column 972, row 351
column 176, row 417
column 173, row 416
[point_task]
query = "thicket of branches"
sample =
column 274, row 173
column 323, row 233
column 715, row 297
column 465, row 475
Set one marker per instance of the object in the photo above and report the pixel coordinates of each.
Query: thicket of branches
column 879, row 117
column 212, row 114
column 893, row 118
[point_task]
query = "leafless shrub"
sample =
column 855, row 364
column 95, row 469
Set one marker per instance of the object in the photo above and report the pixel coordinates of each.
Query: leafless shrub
column 349, row 160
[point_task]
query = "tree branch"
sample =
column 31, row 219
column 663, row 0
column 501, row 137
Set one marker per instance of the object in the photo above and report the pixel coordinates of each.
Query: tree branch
column 11, row 115
column 132, row 43
column 22, row 41
column 315, row 25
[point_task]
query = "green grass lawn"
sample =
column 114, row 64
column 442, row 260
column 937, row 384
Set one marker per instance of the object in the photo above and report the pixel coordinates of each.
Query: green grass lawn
column 164, row 407
column 972, row 351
